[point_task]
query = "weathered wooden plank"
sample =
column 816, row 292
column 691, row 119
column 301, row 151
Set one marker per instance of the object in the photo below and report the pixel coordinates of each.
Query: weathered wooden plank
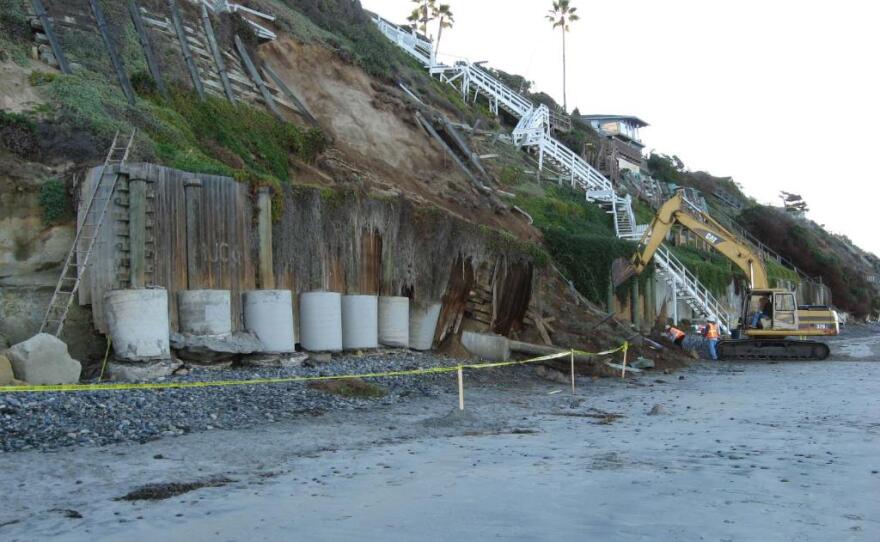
column 40, row 11
column 255, row 76
column 264, row 229
column 184, row 48
column 297, row 103
column 82, row 24
column 115, row 59
column 204, row 246
column 430, row 129
column 137, row 232
column 192, row 190
column 147, row 47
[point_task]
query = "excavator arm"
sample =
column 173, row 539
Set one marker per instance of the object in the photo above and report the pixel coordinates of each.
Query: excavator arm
column 678, row 210
column 757, row 342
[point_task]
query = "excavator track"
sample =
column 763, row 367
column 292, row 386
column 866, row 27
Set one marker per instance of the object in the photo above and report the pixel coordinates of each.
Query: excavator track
column 772, row 349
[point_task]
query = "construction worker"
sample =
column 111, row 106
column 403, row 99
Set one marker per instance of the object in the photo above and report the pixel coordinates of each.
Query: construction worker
column 712, row 335
column 765, row 308
column 675, row 335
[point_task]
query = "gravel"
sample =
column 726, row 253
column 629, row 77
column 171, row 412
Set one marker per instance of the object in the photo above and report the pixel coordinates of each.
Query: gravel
column 48, row 421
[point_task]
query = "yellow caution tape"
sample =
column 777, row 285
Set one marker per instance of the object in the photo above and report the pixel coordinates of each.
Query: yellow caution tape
column 288, row 380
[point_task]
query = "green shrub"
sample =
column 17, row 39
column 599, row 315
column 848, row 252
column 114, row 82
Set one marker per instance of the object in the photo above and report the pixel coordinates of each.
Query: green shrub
column 511, row 175
column 714, row 270
column 88, row 101
column 40, row 78
column 579, row 236
column 55, row 202
column 818, row 254
column 18, row 134
column 15, row 32
column 587, row 258
column 194, row 134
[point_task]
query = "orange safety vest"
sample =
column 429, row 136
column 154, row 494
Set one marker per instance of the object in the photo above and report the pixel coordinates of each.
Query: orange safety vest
column 712, row 331
column 676, row 333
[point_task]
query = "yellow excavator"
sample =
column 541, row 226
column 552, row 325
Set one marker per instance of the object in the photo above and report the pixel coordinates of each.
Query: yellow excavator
column 768, row 316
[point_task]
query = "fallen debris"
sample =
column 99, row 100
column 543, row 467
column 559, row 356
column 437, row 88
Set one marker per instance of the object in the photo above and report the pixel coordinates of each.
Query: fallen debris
column 158, row 492
column 210, row 348
column 642, row 363
column 350, row 388
column 126, row 371
column 44, row 360
column 604, row 418
column 68, row 513
column 6, row 374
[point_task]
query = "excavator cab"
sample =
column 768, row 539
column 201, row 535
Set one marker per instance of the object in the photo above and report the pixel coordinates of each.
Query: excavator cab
column 770, row 311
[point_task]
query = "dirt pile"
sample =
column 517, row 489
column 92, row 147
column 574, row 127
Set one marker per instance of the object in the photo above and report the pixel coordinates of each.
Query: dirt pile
column 378, row 145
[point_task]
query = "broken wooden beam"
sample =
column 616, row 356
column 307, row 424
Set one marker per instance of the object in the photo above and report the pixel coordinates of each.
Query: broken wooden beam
column 149, row 54
column 184, row 48
column 255, row 77
column 40, row 11
column 115, row 59
column 215, row 52
column 465, row 148
column 430, row 129
column 294, row 99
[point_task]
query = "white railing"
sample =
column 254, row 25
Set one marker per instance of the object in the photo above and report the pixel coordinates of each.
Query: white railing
column 689, row 285
column 532, row 127
column 408, row 40
column 582, row 174
column 512, row 101
column 533, row 130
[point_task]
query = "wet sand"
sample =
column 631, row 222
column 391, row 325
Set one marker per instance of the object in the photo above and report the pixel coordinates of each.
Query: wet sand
column 734, row 452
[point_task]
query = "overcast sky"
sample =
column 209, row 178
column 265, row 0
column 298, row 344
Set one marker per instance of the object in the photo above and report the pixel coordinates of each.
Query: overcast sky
column 780, row 95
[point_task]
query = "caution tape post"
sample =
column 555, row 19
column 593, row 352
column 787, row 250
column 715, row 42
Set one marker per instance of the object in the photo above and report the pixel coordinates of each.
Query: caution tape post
column 460, row 388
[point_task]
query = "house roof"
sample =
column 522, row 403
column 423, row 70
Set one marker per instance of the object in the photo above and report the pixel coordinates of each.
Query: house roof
column 635, row 120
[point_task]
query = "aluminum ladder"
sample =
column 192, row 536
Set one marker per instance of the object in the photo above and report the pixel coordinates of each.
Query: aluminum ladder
column 78, row 257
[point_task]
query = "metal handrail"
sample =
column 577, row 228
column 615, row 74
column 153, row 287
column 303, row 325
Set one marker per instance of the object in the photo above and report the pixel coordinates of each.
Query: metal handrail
column 533, row 130
column 692, row 284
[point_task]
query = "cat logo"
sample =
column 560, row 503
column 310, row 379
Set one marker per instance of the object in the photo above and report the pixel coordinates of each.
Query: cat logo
column 712, row 238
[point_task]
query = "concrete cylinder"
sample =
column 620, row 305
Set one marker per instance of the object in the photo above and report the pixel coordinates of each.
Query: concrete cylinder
column 394, row 321
column 422, row 325
column 320, row 321
column 360, row 322
column 268, row 314
column 138, row 323
column 488, row 347
column 205, row 312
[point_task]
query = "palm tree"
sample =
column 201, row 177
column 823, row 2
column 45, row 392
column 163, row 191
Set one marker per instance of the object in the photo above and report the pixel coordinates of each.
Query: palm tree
column 446, row 19
column 561, row 15
column 423, row 13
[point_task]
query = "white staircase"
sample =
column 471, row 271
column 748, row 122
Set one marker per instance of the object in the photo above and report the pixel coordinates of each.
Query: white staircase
column 688, row 289
column 533, row 132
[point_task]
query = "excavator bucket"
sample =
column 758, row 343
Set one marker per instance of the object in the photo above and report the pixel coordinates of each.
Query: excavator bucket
column 621, row 270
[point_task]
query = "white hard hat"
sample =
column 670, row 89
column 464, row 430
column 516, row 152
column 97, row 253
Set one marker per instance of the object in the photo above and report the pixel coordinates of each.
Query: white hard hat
column 711, row 320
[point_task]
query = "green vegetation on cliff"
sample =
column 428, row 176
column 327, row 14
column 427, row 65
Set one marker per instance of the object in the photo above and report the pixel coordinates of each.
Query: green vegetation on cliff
column 818, row 253
column 580, row 238
column 184, row 132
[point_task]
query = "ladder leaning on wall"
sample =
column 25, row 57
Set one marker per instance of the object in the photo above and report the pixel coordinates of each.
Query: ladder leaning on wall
column 75, row 264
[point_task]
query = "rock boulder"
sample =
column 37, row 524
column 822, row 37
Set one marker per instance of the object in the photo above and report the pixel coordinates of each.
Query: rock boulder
column 132, row 371
column 43, row 359
column 212, row 348
column 6, row 374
